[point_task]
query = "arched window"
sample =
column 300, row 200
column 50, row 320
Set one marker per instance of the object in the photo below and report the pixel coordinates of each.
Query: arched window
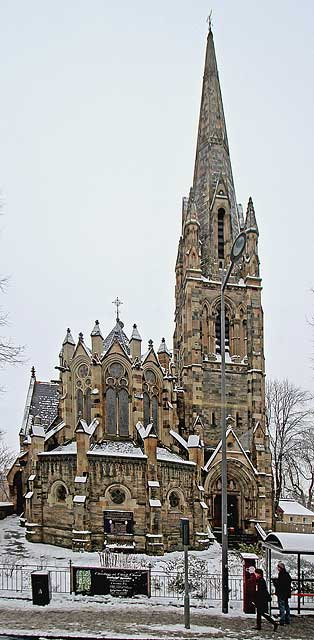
column 205, row 331
column 80, row 403
column 111, row 419
column 123, row 412
column 88, row 407
column 155, row 412
column 117, row 400
column 83, row 391
column 221, row 233
column 146, row 409
column 218, row 332
column 150, row 399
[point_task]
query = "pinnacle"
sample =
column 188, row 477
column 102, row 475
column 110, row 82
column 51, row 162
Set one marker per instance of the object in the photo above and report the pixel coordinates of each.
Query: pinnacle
column 250, row 220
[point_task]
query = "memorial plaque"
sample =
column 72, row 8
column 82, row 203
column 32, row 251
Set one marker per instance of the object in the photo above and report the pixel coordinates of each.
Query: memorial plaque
column 118, row 522
column 111, row 581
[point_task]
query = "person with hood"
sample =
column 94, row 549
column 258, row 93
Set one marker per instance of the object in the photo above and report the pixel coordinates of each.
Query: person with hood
column 261, row 600
column 282, row 586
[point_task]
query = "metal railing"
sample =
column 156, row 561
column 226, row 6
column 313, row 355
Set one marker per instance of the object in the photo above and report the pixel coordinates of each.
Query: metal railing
column 18, row 578
column 207, row 587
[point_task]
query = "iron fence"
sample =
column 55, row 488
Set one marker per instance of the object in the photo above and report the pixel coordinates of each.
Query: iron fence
column 204, row 587
column 18, row 578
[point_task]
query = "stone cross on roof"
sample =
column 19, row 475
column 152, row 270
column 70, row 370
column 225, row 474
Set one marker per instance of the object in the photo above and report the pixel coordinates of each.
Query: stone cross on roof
column 118, row 303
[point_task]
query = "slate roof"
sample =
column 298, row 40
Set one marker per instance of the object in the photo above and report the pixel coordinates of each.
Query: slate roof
column 45, row 401
column 117, row 334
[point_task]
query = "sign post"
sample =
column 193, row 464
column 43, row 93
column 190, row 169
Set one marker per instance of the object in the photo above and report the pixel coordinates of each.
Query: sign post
column 185, row 533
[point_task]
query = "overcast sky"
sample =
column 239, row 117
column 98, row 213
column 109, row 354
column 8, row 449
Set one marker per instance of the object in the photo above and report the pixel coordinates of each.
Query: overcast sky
column 98, row 123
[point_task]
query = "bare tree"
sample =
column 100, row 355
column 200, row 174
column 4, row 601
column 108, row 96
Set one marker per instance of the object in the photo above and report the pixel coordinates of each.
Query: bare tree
column 299, row 476
column 9, row 353
column 6, row 459
column 288, row 414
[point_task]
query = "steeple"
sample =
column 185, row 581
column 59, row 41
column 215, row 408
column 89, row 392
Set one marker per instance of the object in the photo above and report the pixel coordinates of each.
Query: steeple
column 250, row 220
column 212, row 172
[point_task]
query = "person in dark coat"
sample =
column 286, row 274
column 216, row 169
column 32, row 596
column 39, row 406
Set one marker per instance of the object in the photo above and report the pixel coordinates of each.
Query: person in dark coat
column 282, row 586
column 261, row 600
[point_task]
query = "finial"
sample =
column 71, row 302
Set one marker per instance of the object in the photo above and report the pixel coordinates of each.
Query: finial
column 97, row 322
column 118, row 303
column 80, row 336
column 33, row 373
column 68, row 330
column 150, row 344
column 209, row 21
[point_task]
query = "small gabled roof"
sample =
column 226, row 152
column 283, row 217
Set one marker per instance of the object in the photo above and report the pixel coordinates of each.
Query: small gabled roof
column 151, row 355
column 214, row 454
column 68, row 338
column 117, row 335
column 81, row 346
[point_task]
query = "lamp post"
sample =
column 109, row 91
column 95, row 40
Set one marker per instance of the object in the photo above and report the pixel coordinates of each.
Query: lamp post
column 236, row 253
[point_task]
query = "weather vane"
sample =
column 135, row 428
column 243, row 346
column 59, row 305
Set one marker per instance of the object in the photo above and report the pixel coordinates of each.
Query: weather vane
column 118, row 303
column 209, row 21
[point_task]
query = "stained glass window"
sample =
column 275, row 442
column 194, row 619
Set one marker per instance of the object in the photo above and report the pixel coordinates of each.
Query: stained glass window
column 123, row 412
column 111, row 420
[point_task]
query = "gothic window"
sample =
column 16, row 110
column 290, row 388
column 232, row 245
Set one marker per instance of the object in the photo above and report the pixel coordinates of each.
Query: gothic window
column 155, row 412
column 123, row 402
column 221, row 234
column 88, row 406
column 146, row 409
column 218, row 332
column 80, row 403
column 117, row 400
column 205, row 331
column 150, row 399
column 83, row 391
column 111, row 411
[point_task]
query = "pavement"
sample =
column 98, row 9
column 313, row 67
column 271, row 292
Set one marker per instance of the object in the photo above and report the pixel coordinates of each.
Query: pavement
column 68, row 617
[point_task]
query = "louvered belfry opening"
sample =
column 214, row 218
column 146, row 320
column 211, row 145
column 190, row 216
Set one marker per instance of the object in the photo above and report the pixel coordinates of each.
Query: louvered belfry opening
column 218, row 333
column 221, row 234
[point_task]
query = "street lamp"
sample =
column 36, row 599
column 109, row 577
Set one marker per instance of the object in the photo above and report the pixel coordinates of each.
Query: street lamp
column 236, row 253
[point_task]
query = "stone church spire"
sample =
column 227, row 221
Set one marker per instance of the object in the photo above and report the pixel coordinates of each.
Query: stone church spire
column 212, row 171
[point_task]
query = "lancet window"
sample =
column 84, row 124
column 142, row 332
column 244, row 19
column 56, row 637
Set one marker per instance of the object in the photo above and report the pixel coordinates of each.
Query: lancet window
column 83, row 392
column 150, row 399
column 117, row 400
column 218, row 332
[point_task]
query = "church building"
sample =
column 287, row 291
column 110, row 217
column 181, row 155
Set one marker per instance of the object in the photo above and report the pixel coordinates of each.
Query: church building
column 128, row 440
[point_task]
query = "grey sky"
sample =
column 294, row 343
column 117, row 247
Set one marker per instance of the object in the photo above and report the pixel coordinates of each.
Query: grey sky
column 98, row 123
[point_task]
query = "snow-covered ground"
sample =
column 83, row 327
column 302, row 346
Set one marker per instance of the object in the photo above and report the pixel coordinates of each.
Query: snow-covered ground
column 15, row 549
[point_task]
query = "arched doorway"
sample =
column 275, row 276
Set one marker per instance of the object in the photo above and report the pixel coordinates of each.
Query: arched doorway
column 232, row 511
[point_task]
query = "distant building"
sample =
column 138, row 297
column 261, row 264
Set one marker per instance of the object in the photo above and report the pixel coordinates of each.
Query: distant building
column 126, row 442
column 294, row 517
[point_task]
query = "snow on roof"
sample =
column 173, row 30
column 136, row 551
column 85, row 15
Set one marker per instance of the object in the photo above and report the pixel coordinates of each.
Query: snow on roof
column 64, row 449
column 38, row 431
column 291, row 542
column 154, row 503
column 45, row 401
column 179, row 438
column 164, row 455
column 53, row 430
column 29, row 495
column 294, row 508
column 32, row 477
column 80, row 479
column 194, row 440
column 119, row 449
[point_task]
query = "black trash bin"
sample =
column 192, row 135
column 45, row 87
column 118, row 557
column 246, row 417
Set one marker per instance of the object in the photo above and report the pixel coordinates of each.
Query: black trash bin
column 41, row 587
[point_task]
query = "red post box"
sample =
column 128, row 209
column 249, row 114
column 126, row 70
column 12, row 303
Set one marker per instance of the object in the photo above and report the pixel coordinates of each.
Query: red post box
column 249, row 581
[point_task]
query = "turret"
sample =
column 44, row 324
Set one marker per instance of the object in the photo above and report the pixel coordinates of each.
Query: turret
column 67, row 350
column 164, row 355
column 135, row 343
column 251, row 229
column 97, row 339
